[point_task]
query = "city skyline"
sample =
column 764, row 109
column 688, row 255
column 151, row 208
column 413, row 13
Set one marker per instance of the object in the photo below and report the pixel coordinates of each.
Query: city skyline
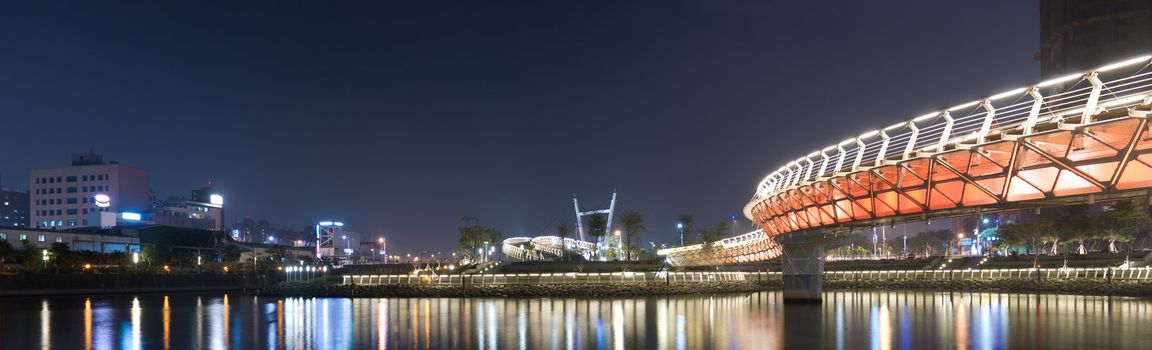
column 401, row 126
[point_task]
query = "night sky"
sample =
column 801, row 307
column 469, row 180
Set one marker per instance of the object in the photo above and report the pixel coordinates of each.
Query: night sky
column 401, row 117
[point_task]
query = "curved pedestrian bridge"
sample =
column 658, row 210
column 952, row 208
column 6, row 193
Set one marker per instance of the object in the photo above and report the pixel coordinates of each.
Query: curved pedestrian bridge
column 545, row 248
column 1074, row 139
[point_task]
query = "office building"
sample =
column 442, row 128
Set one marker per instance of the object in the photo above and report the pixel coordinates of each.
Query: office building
column 13, row 208
column 1077, row 35
column 63, row 197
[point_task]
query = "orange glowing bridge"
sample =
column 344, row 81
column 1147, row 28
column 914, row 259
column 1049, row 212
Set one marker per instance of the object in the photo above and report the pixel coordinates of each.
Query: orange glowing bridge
column 1073, row 139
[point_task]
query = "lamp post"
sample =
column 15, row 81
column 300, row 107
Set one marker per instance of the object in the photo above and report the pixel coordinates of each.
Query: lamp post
column 382, row 248
column 959, row 237
column 619, row 243
column 680, row 226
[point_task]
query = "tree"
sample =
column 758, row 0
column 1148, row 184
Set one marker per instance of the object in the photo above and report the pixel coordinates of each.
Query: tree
column 563, row 229
column 60, row 253
column 711, row 236
column 633, row 224
column 597, row 225
column 230, row 253
column 1121, row 224
column 1020, row 233
column 473, row 235
column 686, row 222
column 6, row 252
column 1074, row 225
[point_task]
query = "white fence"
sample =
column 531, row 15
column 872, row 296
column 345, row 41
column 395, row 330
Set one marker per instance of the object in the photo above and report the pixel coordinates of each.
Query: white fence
column 1101, row 274
column 560, row 278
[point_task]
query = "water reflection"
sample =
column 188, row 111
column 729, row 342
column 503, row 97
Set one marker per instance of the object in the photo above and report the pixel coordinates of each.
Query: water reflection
column 877, row 320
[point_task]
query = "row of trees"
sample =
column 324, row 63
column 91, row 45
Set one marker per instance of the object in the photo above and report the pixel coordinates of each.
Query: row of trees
column 1121, row 224
column 1074, row 230
column 59, row 257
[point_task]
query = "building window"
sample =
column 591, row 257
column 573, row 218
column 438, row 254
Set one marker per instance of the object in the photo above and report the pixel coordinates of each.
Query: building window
column 59, row 239
column 72, row 222
column 3, row 236
column 71, row 200
column 24, row 236
column 71, row 211
column 71, row 190
column 40, row 238
column 71, row 179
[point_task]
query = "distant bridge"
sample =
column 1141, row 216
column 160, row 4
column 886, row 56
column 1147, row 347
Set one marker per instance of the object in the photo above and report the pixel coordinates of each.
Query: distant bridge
column 545, row 248
column 1072, row 139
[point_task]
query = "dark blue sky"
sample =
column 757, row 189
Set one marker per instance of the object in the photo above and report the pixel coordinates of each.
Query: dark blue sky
column 399, row 117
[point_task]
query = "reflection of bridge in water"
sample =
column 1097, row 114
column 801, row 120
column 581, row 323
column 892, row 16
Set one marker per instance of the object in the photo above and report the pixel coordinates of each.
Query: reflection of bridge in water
column 1074, row 139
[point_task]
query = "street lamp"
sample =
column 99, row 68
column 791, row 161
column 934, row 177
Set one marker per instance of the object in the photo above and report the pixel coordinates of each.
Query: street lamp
column 680, row 226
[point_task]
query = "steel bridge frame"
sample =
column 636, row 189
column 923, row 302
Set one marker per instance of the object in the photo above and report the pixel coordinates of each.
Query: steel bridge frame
column 1089, row 136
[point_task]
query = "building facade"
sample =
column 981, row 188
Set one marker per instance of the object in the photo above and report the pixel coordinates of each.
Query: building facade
column 203, row 210
column 63, row 197
column 13, row 208
column 98, row 241
column 1077, row 35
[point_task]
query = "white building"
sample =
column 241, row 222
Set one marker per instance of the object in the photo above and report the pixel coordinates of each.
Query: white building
column 64, row 196
column 204, row 210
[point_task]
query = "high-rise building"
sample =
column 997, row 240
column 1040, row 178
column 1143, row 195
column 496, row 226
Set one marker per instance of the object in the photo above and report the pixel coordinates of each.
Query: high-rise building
column 1077, row 35
column 13, row 208
column 64, row 197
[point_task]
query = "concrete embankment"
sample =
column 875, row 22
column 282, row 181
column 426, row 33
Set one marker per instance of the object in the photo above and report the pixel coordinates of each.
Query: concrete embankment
column 1002, row 285
column 527, row 290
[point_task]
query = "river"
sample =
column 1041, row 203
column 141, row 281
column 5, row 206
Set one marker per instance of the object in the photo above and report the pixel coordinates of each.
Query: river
column 846, row 320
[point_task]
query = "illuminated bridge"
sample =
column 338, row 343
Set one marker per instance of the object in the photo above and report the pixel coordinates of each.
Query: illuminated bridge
column 545, row 248
column 1073, row 139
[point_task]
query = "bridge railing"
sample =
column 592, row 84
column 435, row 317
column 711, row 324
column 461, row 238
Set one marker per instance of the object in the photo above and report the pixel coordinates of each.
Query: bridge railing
column 560, row 278
column 1100, row 273
column 1092, row 274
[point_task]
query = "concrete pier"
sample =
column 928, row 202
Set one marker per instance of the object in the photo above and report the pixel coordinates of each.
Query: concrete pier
column 803, row 266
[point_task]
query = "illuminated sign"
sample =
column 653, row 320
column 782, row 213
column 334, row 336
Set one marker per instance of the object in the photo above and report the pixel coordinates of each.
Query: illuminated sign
column 102, row 200
column 216, row 199
column 130, row 216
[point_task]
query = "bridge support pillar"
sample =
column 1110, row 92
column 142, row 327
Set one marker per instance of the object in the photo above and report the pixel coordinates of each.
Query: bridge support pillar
column 803, row 267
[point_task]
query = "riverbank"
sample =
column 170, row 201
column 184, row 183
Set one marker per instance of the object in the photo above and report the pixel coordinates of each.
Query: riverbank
column 525, row 290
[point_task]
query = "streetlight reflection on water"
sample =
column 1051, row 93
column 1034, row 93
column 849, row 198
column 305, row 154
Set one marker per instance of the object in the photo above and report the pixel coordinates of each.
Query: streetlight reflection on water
column 877, row 320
